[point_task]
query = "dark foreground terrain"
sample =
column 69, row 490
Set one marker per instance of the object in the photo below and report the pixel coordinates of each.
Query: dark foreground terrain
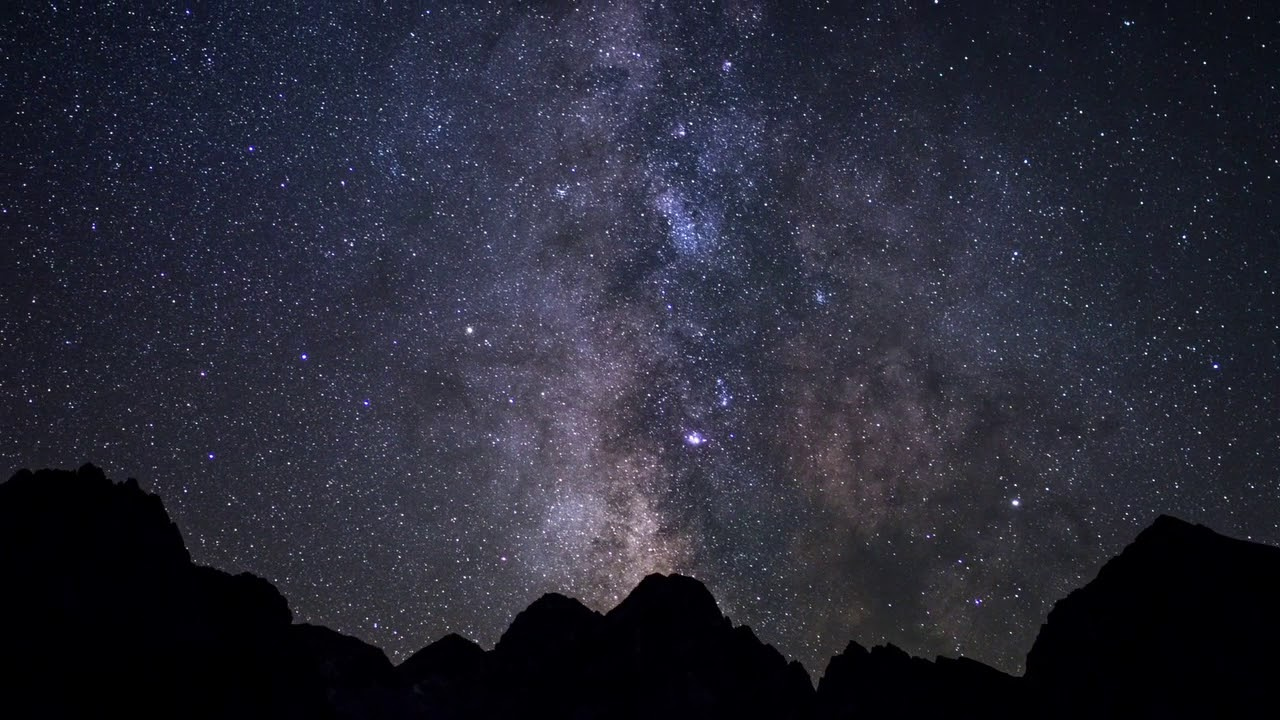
column 103, row 614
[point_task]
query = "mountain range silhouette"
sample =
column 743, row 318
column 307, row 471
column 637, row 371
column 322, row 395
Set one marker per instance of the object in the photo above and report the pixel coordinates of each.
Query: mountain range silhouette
column 103, row 614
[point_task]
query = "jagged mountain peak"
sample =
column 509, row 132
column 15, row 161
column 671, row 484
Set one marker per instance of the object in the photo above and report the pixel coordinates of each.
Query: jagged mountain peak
column 100, row 591
column 668, row 599
column 552, row 625
column 1183, row 620
column 82, row 517
column 445, row 660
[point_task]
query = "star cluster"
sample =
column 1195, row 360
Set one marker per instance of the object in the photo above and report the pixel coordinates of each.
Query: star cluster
column 889, row 321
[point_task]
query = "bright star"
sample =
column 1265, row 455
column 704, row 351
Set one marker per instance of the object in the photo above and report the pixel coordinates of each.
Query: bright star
column 694, row 438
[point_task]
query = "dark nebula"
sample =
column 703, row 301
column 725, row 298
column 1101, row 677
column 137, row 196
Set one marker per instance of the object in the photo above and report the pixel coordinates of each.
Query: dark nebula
column 887, row 321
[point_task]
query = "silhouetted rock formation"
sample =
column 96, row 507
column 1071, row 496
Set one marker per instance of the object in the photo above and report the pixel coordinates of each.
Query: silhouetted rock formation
column 1183, row 623
column 548, row 637
column 885, row 682
column 669, row 652
column 541, row 663
column 103, row 614
column 664, row 651
column 445, row 677
column 355, row 677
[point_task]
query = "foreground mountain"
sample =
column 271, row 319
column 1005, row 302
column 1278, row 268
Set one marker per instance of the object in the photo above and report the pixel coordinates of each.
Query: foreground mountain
column 104, row 614
column 886, row 682
column 1182, row 623
column 666, row 651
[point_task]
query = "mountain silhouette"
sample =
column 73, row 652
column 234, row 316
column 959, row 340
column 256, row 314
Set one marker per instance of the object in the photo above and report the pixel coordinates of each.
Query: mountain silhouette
column 1182, row 623
column 445, row 678
column 104, row 614
column 886, row 682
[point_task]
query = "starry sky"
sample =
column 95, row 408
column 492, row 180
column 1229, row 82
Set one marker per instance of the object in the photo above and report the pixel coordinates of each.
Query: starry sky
column 889, row 321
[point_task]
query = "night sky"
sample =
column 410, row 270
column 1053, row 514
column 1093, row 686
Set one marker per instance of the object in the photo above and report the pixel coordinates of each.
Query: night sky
column 888, row 321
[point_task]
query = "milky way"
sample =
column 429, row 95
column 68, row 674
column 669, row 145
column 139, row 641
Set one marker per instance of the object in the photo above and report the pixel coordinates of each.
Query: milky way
column 890, row 322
